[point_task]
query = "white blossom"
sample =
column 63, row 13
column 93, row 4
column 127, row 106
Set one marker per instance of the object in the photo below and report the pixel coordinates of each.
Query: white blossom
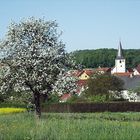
column 66, row 83
column 35, row 57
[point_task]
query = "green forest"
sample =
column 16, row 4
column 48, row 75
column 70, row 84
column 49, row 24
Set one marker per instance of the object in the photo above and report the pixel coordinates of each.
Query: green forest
column 106, row 57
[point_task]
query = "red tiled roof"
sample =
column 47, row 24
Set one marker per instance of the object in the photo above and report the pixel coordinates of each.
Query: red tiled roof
column 104, row 69
column 80, row 72
column 130, row 70
column 77, row 73
column 138, row 68
column 89, row 72
column 82, row 82
column 65, row 96
column 123, row 74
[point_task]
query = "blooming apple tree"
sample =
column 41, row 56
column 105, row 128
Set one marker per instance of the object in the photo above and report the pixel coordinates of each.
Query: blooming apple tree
column 66, row 83
column 35, row 57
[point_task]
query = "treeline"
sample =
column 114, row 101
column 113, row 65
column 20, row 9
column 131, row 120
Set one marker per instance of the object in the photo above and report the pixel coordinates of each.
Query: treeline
column 106, row 57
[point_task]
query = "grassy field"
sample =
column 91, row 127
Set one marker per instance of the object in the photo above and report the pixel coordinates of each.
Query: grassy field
column 70, row 126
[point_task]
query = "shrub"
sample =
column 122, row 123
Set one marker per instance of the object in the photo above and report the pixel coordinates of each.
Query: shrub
column 77, row 99
column 16, row 105
column 97, row 98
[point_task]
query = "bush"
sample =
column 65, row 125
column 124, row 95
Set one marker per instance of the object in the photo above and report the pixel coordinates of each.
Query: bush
column 102, row 84
column 88, row 99
column 12, row 105
column 97, row 98
column 77, row 99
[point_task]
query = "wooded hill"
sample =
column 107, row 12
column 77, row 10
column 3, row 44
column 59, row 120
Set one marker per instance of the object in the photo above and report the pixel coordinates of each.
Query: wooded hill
column 106, row 57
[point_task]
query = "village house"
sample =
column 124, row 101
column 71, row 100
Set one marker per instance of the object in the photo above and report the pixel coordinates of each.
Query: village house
column 130, row 76
column 136, row 71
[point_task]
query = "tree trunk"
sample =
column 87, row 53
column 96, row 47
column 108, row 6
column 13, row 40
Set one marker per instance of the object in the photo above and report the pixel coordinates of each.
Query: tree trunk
column 37, row 104
column 44, row 98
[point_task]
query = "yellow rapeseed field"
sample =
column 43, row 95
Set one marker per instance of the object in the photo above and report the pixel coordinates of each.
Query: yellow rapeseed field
column 11, row 110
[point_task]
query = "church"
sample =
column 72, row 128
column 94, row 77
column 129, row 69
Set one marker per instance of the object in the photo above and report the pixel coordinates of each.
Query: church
column 120, row 66
column 131, row 77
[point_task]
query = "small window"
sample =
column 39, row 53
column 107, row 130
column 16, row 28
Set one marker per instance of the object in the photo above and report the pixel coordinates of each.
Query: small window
column 121, row 65
column 120, row 61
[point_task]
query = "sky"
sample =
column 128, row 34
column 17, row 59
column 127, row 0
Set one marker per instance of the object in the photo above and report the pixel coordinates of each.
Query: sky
column 86, row 24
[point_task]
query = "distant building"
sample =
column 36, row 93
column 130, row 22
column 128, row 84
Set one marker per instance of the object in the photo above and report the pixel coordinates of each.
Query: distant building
column 103, row 70
column 130, row 84
column 85, row 74
column 120, row 66
column 137, row 70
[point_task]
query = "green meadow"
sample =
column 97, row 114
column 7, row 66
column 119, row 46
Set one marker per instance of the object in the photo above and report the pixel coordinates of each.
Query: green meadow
column 70, row 126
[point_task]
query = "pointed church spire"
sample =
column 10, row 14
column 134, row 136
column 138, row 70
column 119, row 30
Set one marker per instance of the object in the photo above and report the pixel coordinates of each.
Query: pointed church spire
column 120, row 53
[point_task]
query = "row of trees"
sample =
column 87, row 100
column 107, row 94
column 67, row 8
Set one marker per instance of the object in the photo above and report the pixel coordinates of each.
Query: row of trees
column 106, row 57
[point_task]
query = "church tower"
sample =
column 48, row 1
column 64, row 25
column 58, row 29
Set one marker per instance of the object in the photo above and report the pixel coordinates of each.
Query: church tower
column 119, row 61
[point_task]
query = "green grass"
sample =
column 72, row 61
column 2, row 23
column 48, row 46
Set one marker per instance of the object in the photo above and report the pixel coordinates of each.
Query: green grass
column 70, row 126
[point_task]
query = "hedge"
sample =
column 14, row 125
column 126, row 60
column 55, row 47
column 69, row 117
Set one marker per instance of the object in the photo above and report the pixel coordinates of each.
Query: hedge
column 17, row 105
column 92, row 107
